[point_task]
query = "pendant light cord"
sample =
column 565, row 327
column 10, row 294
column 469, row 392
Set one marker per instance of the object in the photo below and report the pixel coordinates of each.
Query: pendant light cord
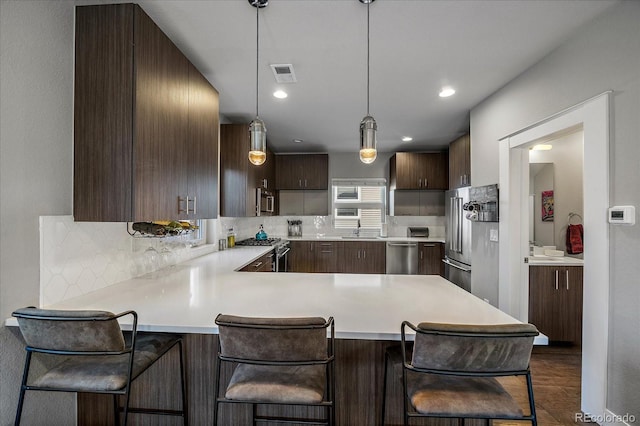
column 368, row 4
column 257, row 52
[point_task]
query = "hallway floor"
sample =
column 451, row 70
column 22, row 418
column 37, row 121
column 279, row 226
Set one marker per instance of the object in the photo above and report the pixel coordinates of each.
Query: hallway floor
column 556, row 386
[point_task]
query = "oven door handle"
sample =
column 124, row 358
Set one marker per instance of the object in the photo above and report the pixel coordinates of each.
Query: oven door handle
column 284, row 252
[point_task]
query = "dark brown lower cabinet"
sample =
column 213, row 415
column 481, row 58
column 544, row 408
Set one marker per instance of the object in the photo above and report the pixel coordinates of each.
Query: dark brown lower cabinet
column 349, row 257
column 301, row 256
column 262, row 264
column 362, row 257
column 359, row 374
column 430, row 259
column 555, row 302
column 313, row 256
column 325, row 255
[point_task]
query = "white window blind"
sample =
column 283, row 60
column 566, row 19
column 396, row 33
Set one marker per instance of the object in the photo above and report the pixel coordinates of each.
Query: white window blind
column 368, row 206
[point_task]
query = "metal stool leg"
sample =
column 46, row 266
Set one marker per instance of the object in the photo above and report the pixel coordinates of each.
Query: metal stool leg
column 23, row 388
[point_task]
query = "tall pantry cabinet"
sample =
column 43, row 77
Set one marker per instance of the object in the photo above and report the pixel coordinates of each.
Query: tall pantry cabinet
column 145, row 122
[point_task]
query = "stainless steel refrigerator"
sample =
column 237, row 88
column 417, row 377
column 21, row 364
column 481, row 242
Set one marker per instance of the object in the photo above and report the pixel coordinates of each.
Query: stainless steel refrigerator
column 457, row 259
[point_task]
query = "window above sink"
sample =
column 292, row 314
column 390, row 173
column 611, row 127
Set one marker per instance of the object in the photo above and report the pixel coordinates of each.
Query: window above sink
column 359, row 204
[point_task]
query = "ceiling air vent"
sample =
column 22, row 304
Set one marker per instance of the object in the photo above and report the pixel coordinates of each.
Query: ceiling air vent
column 283, row 73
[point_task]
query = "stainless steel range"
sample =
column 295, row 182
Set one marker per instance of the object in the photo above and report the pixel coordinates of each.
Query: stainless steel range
column 280, row 249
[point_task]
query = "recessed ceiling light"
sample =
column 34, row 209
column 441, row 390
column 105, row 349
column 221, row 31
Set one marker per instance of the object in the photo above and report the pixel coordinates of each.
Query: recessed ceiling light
column 298, row 141
column 407, row 139
column 542, row 147
column 280, row 94
column 447, row 91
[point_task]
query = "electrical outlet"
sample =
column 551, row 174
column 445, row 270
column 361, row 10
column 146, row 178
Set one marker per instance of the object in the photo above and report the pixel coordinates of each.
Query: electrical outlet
column 493, row 235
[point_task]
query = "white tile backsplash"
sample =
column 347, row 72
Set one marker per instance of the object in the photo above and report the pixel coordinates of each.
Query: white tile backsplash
column 276, row 226
column 79, row 257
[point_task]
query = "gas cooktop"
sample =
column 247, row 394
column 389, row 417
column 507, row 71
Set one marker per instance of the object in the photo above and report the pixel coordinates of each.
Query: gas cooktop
column 254, row 242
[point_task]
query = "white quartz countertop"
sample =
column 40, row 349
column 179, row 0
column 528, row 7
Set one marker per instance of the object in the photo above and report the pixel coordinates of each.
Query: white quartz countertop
column 187, row 297
column 365, row 238
column 542, row 260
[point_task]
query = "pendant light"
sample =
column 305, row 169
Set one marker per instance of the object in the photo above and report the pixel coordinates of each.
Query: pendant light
column 257, row 129
column 368, row 126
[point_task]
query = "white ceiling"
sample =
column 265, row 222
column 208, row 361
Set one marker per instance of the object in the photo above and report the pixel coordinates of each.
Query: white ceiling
column 416, row 47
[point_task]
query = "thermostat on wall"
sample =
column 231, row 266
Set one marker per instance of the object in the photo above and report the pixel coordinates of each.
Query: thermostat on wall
column 622, row 215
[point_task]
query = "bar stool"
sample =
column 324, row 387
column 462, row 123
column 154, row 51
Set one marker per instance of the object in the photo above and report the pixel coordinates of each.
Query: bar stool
column 95, row 356
column 453, row 369
column 280, row 361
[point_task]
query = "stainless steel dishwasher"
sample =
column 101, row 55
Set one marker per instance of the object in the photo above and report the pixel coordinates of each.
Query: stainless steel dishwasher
column 402, row 258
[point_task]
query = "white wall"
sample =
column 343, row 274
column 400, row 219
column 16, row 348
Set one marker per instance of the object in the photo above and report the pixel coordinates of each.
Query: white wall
column 603, row 55
column 36, row 145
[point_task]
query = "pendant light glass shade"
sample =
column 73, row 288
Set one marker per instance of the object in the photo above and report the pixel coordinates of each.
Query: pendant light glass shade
column 257, row 129
column 258, row 142
column 368, row 125
column 368, row 129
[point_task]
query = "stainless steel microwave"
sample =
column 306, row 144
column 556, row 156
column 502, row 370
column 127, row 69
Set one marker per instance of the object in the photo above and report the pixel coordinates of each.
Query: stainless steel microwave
column 265, row 202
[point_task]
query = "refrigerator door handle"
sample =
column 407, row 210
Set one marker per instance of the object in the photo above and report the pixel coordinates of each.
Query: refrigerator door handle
column 453, row 265
column 453, row 225
column 457, row 225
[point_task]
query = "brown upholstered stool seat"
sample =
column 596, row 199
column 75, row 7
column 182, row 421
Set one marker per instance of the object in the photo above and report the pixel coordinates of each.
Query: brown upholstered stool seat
column 304, row 384
column 451, row 396
column 106, row 373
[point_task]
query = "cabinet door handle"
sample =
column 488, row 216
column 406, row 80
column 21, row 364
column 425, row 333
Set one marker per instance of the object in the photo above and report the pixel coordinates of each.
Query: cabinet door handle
column 556, row 279
column 299, row 183
column 305, row 183
column 358, row 254
column 426, row 183
column 180, row 209
column 461, row 180
column 257, row 265
column 420, row 255
column 419, row 182
column 364, row 254
column 567, row 271
column 195, row 205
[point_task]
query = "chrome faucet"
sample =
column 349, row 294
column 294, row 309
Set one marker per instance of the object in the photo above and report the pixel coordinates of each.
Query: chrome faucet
column 357, row 230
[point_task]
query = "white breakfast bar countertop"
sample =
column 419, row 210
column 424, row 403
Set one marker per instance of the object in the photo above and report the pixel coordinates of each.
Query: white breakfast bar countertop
column 187, row 297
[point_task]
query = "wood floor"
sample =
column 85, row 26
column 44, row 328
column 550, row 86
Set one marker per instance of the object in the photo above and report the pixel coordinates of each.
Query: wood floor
column 556, row 386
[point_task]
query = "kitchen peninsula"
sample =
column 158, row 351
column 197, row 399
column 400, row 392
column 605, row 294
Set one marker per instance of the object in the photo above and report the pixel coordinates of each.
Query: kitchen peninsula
column 368, row 311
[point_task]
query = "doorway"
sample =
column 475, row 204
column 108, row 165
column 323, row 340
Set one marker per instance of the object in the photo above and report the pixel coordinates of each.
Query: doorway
column 593, row 116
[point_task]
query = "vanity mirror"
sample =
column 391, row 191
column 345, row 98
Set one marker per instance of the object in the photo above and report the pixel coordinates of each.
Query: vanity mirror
column 541, row 204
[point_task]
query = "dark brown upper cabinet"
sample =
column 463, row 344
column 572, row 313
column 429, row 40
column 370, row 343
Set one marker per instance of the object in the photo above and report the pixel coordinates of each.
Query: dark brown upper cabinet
column 145, row 122
column 460, row 162
column 302, row 171
column 238, row 177
column 413, row 170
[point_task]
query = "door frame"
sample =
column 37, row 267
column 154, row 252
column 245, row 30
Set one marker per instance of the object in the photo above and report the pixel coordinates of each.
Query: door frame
column 593, row 116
